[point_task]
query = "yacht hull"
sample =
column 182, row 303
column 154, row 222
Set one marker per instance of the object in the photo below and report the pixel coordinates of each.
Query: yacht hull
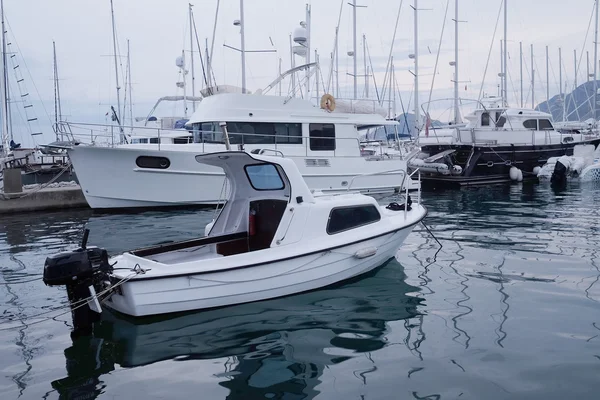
column 111, row 179
column 491, row 164
column 260, row 281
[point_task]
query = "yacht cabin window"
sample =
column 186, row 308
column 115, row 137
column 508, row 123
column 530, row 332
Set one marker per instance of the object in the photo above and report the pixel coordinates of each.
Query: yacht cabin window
column 545, row 125
column 485, row 119
column 530, row 124
column 154, row 140
column 322, row 137
column 249, row 133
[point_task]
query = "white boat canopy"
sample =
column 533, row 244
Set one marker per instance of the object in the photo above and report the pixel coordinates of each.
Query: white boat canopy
column 252, row 177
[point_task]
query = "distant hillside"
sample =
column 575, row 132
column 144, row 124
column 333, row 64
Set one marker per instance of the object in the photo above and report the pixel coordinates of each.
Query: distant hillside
column 578, row 105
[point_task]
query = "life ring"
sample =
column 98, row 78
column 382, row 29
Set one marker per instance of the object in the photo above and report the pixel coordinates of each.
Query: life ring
column 328, row 102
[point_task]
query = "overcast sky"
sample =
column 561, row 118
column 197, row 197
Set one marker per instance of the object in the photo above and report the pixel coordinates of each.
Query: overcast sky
column 158, row 30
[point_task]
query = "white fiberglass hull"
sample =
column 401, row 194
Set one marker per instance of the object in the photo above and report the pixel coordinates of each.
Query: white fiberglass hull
column 110, row 178
column 261, row 281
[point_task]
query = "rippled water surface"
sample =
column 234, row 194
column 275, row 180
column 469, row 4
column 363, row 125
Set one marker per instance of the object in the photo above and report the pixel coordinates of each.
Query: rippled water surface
column 507, row 309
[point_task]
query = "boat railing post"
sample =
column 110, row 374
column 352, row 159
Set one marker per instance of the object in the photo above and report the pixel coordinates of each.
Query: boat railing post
column 419, row 192
column 158, row 139
column 405, row 200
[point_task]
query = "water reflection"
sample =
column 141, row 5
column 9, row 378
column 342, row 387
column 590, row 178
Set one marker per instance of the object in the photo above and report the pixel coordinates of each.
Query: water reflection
column 274, row 349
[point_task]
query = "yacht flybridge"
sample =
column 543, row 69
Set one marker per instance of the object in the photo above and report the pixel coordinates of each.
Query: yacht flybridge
column 273, row 237
column 496, row 145
column 160, row 169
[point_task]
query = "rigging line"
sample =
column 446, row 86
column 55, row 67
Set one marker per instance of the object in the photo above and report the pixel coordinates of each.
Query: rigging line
column 388, row 67
column 587, row 33
column 374, row 80
column 28, row 72
column 200, row 55
column 437, row 58
column 402, row 105
column 335, row 49
column 490, row 52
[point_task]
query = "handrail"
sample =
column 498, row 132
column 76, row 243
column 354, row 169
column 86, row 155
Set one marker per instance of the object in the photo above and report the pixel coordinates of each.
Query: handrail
column 403, row 170
column 262, row 151
column 160, row 132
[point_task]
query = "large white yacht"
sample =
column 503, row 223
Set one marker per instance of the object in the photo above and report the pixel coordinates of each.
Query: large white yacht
column 160, row 169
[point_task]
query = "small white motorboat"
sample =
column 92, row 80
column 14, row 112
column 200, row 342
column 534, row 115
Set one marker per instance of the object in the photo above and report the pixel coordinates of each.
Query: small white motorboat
column 273, row 238
column 582, row 164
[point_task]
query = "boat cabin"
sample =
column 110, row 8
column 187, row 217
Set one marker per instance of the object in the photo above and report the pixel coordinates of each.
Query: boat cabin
column 291, row 125
column 510, row 119
column 260, row 193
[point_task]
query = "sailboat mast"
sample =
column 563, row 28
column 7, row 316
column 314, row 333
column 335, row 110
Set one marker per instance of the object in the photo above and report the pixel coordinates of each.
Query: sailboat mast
column 243, row 42
column 532, row 80
column 575, row 69
column 505, row 77
column 560, row 89
column 114, row 33
column 521, row 69
column 547, row 79
column 337, row 63
column 130, row 86
column 6, row 132
column 456, row 106
column 365, row 62
column 57, row 106
column 416, row 38
column 192, row 58
column 354, row 47
column 595, row 60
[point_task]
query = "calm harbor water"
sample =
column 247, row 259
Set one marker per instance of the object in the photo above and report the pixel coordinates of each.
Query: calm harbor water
column 507, row 309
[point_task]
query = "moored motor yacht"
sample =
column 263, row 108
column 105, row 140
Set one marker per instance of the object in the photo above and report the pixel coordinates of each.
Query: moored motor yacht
column 496, row 140
column 160, row 168
column 272, row 238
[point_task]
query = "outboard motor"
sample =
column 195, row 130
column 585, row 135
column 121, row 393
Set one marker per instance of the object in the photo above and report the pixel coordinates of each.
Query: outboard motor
column 84, row 272
column 559, row 176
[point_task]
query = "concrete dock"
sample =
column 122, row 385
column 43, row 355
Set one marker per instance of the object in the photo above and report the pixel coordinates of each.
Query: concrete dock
column 41, row 200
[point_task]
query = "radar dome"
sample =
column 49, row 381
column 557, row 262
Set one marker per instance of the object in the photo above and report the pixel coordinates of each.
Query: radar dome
column 180, row 62
column 300, row 35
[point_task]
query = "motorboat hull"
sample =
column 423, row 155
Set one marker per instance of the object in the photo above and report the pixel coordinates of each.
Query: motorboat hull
column 491, row 164
column 277, row 278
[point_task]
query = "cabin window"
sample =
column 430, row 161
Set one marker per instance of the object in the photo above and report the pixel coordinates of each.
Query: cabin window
column 264, row 177
column 182, row 140
column 249, row 133
column 545, row 125
column 501, row 121
column 154, row 140
column 322, row 137
column 153, row 162
column 344, row 218
column 139, row 141
column 530, row 124
column 485, row 119
column 288, row 133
